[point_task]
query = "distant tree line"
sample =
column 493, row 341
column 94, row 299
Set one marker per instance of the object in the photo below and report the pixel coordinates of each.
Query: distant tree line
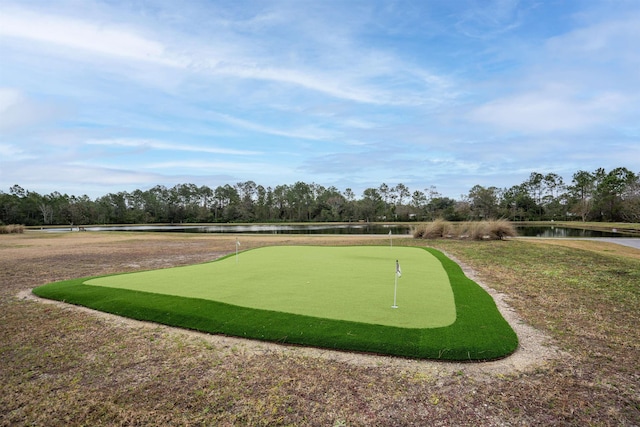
column 590, row 196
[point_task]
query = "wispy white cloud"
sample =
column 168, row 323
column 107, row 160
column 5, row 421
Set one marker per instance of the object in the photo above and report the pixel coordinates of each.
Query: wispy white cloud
column 601, row 41
column 124, row 42
column 488, row 19
column 167, row 146
column 13, row 153
column 201, row 166
column 74, row 178
column 17, row 111
column 550, row 110
column 72, row 33
column 310, row 132
column 577, row 81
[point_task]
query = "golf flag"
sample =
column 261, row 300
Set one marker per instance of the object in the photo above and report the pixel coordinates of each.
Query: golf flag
column 390, row 240
column 237, row 246
column 237, row 242
column 395, row 285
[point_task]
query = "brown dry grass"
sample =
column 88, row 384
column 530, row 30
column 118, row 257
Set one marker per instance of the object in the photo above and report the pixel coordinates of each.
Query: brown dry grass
column 65, row 366
column 474, row 230
column 605, row 248
column 11, row 229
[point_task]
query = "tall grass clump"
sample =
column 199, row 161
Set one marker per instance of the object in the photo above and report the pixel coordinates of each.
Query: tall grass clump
column 501, row 229
column 11, row 229
column 471, row 230
column 437, row 229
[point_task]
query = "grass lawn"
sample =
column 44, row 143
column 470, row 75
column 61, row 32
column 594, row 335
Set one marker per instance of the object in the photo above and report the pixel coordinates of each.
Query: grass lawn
column 334, row 297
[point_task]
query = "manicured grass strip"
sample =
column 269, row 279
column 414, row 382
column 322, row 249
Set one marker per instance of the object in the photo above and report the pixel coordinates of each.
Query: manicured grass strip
column 479, row 332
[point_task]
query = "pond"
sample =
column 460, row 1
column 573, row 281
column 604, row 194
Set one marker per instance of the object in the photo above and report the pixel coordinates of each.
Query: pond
column 352, row 228
column 355, row 228
column 551, row 231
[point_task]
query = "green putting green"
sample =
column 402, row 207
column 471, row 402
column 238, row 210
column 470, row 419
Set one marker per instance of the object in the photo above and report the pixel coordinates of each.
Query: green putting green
column 330, row 297
column 355, row 283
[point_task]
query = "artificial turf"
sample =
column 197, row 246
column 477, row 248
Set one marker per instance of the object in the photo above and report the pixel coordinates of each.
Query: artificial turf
column 479, row 332
column 355, row 283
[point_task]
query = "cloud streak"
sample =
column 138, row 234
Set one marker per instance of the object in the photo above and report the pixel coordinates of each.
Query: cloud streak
column 166, row 146
column 548, row 111
column 71, row 33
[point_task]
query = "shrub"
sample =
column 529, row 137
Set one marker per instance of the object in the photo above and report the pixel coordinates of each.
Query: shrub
column 501, row 228
column 473, row 230
column 433, row 230
column 418, row 231
column 11, row 229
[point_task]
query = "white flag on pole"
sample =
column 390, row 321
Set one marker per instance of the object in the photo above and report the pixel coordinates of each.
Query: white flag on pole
column 395, row 285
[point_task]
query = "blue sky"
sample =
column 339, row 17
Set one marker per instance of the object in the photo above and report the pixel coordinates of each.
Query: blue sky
column 109, row 96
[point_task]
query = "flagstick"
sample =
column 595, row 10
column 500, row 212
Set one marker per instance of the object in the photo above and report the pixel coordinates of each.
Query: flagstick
column 395, row 288
column 237, row 244
column 390, row 240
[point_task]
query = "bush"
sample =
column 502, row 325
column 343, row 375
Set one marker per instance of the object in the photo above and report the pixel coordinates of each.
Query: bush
column 11, row 229
column 434, row 230
column 501, row 229
column 473, row 230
